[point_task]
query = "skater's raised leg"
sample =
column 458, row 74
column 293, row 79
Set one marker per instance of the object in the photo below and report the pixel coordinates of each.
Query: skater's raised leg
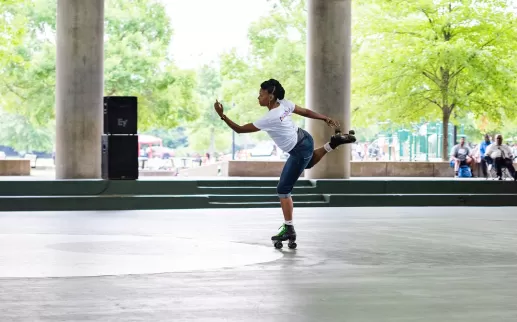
column 335, row 141
column 317, row 155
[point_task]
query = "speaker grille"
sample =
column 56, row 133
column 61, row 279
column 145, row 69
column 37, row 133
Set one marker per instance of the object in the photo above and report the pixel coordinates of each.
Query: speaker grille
column 120, row 157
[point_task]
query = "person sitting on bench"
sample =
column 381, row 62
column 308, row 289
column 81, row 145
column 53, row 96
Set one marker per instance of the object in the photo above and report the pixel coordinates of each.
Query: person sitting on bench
column 500, row 156
column 461, row 155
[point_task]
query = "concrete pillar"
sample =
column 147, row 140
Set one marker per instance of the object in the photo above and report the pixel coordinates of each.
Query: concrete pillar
column 328, row 80
column 79, row 88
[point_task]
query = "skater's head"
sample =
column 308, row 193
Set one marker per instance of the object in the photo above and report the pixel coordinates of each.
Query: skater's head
column 270, row 91
column 462, row 141
column 487, row 138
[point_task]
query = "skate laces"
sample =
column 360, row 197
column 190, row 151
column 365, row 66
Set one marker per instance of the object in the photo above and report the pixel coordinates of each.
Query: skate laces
column 282, row 229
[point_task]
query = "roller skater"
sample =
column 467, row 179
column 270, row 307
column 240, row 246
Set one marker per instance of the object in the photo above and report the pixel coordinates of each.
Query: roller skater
column 277, row 123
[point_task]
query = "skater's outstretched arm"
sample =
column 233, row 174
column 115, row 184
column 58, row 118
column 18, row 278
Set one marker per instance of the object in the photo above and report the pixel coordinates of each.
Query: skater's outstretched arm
column 247, row 128
column 305, row 112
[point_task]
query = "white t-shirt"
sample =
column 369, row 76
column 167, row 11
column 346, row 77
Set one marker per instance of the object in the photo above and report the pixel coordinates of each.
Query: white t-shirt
column 499, row 151
column 280, row 126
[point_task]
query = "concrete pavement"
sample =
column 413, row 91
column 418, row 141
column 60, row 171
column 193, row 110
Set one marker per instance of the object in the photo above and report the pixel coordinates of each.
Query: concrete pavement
column 352, row 264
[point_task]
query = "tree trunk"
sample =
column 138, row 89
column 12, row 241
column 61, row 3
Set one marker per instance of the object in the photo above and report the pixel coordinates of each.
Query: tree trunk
column 445, row 136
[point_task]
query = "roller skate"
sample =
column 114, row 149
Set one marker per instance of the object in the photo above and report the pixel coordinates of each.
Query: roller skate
column 339, row 138
column 285, row 232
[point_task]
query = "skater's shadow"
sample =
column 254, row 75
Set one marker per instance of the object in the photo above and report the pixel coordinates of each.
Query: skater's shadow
column 287, row 252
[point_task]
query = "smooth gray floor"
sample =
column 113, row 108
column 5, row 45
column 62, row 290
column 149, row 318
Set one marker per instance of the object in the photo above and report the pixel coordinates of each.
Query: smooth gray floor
column 353, row 264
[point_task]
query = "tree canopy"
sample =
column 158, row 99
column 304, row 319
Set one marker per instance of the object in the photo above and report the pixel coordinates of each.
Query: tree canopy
column 12, row 28
column 277, row 50
column 137, row 62
column 424, row 59
column 434, row 59
column 411, row 61
column 208, row 132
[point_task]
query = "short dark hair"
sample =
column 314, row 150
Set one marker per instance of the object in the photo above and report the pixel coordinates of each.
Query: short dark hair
column 274, row 87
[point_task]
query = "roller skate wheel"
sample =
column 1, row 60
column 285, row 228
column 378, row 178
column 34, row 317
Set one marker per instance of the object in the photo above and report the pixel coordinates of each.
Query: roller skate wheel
column 292, row 245
column 278, row 245
column 351, row 132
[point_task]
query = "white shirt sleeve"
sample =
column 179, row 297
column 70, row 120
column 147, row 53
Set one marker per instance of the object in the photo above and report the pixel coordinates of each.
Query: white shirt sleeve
column 263, row 123
column 290, row 105
column 508, row 152
column 489, row 150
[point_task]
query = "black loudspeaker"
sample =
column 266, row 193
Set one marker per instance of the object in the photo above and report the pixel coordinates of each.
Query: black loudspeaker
column 120, row 157
column 120, row 115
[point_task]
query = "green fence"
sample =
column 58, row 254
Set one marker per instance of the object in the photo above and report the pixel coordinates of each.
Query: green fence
column 422, row 142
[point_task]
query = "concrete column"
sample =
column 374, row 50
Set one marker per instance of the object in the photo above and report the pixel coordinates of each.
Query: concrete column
column 79, row 88
column 328, row 80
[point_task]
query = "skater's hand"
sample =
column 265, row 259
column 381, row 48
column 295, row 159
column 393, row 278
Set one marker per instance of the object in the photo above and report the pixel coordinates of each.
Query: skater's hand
column 218, row 108
column 330, row 122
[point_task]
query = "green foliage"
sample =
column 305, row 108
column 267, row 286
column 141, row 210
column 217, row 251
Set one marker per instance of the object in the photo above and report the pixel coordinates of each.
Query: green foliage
column 22, row 135
column 136, row 63
column 411, row 60
column 434, row 59
column 277, row 51
column 368, row 133
column 431, row 59
column 29, row 85
column 173, row 138
column 138, row 36
column 208, row 133
column 12, row 28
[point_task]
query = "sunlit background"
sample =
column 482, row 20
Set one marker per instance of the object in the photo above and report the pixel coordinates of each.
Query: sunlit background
column 424, row 74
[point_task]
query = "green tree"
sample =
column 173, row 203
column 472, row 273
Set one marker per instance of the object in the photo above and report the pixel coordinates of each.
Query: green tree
column 12, row 28
column 137, row 62
column 277, row 43
column 173, row 138
column 208, row 132
column 434, row 58
column 18, row 132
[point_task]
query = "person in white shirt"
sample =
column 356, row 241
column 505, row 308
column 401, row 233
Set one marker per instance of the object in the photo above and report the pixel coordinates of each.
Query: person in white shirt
column 501, row 156
column 291, row 139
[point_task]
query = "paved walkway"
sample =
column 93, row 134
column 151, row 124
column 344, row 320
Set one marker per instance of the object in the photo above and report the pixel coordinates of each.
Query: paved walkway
column 352, row 264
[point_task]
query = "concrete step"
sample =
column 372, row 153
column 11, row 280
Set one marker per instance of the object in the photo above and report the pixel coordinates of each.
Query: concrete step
column 102, row 202
column 394, row 186
column 142, row 202
column 253, row 190
column 266, row 204
column 422, row 200
column 267, row 183
column 263, row 198
column 96, row 187
column 249, row 187
column 366, row 187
